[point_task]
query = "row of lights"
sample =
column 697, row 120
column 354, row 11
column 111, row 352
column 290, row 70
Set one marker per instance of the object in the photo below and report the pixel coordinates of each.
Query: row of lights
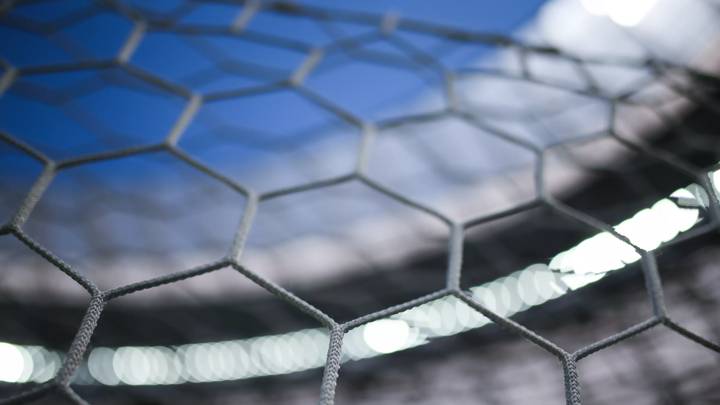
column 27, row 363
column 206, row 362
column 579, row 266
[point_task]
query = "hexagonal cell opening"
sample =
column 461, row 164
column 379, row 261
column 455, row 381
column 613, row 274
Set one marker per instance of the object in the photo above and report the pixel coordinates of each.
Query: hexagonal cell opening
column 617, row 79
column 211, row 63
column 443, row 345
column 209, row 14
column 558, row 70
column 44, row 12
column 347, row 249
column 157, row 9
column 608, row 180
column 376, row 90
column 561, row 118
column 689, row 278
column 453, row 166
column 649, row 368
column 18, row 172
column 383, row 48
column 97, row 35
column 130, row 219
column 678, row 128
column 428, row 44
column 499, row 95
column 551, row 272
column 272, row 140
column 670, row 88
column 300, row 29
column 216, row 327
column 554, row 114
column 92, row 111
column 41, row 308
column 476, row 56
column 314, row 32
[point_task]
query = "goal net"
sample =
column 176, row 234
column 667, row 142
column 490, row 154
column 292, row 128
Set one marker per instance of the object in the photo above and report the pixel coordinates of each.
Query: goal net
column 246, row 201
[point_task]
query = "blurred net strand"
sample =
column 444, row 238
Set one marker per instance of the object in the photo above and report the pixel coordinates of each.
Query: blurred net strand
column 386, row 26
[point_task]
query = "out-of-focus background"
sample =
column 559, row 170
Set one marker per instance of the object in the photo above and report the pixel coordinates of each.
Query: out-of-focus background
column 360, row 156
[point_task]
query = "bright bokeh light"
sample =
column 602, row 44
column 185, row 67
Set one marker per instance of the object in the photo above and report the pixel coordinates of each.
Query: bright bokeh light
column 595, row 7
column 211, row 361
column 715, row 176
column 627, row 13
column 131, row 365
column 100, row 366
column 386, row 335
column 648, row 229
column 581, row 265
column 12, row 363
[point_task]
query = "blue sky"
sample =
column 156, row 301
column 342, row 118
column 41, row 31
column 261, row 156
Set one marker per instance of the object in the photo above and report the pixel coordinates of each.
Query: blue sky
column 71, row 114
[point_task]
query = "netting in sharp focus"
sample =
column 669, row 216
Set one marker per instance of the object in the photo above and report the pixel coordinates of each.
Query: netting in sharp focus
column 284, row 147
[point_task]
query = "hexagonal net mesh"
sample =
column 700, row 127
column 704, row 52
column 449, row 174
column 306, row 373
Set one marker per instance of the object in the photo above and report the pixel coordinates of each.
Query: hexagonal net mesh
column 458, row 179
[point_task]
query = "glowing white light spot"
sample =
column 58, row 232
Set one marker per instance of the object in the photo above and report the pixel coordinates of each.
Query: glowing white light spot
column 575, row 281
column 627, row 13
column 526, row 287
column 100, row 365
column 487, row 297
column 354, row 345
column 447, row 317
column 46, row 363
column 502, row 297
column 514, row 302
column 595, row 7
column 198, row 362
column 28, row 363
column 465, row 315
column 131, row 365
column 12, row 362
column 386, row 335
column 543, row 279
column 240, row 360
column 432, row 319
column 716, row 179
